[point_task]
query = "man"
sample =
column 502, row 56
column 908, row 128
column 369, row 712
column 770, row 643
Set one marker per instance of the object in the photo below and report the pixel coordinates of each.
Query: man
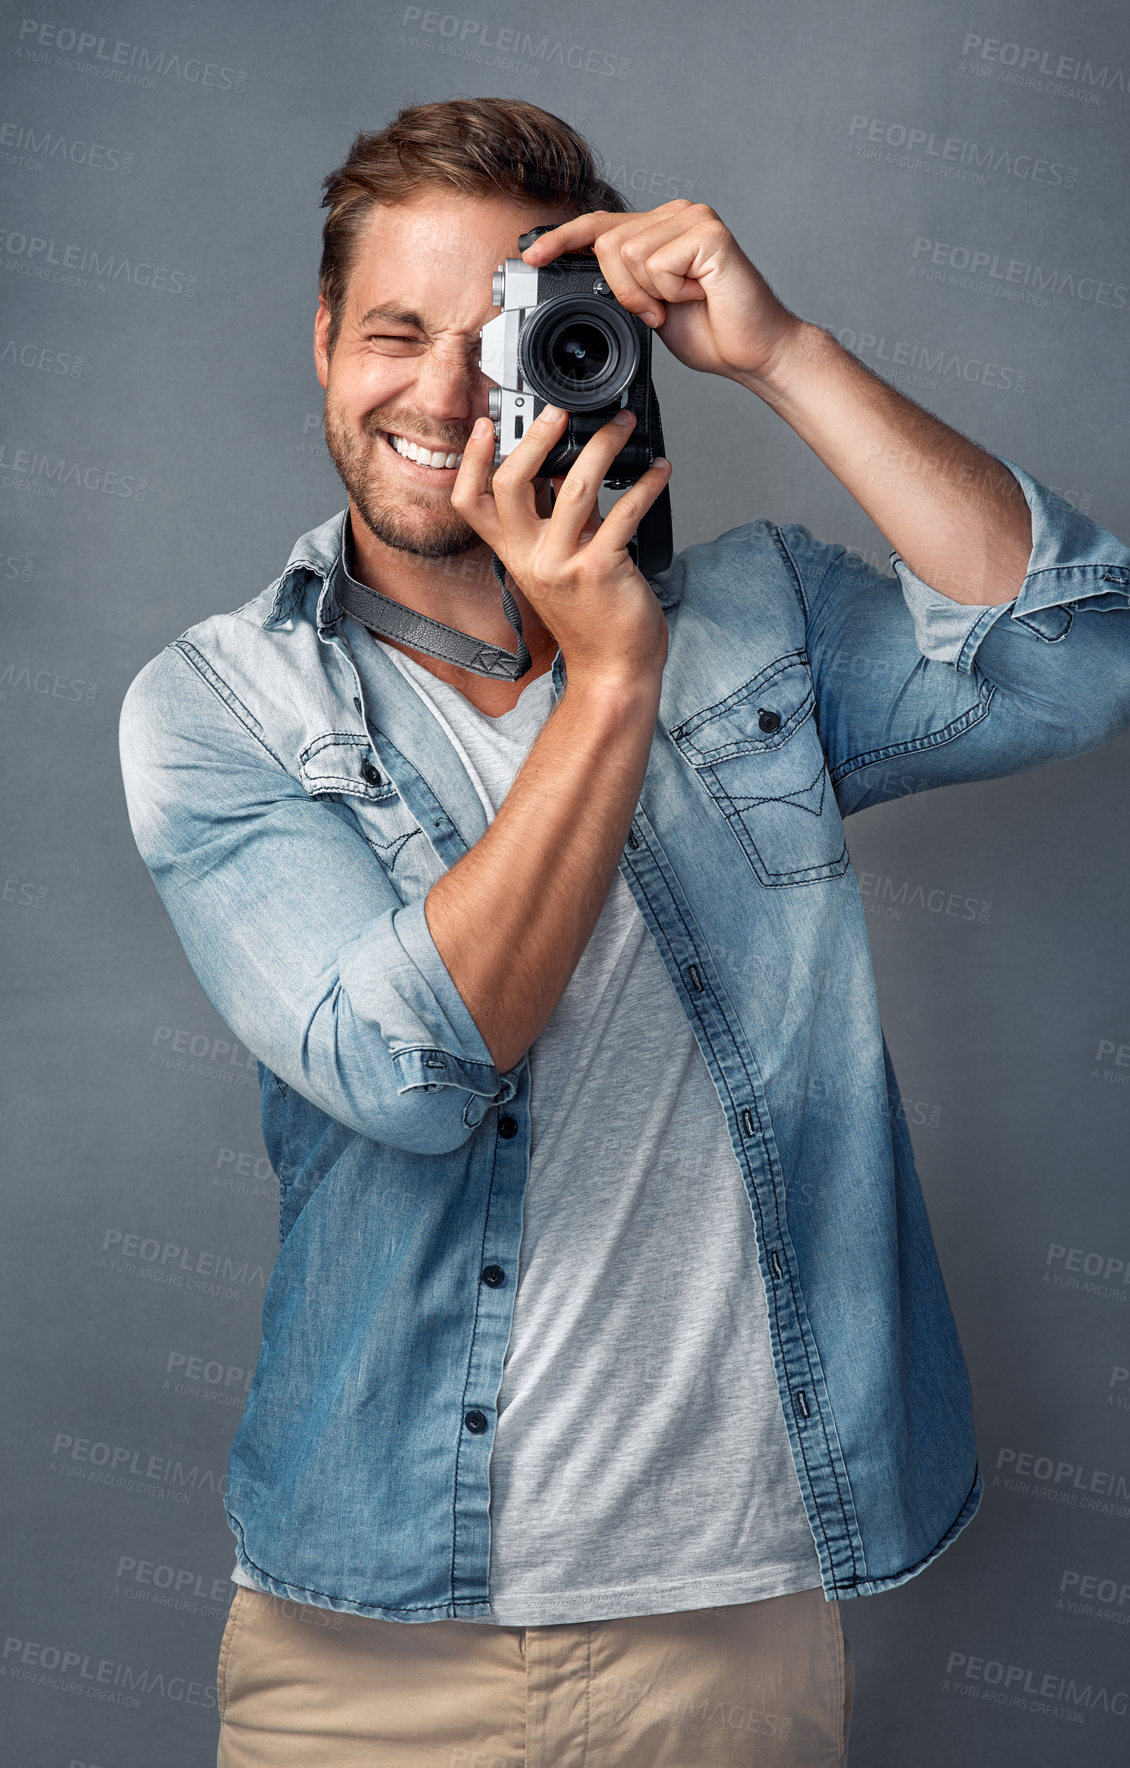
column 606, row 1314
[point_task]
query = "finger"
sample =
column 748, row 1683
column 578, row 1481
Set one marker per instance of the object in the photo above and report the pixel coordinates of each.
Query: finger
column 582, row 231
column 628, row 511
column 470, row 495
column 509, row 499
column 574, row 509
column 644, row 265
column 522, row 463
column 513, row 485
column 623, row 244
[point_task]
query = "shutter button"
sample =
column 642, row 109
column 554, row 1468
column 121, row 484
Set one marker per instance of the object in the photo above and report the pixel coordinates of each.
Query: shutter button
column 476, row 1422
column 493, row 1276
column 507, row 1126
column 370, row 773
column 768, row 721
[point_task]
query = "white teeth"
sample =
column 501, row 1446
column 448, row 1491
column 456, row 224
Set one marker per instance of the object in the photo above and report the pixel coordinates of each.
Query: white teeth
column 425, row 457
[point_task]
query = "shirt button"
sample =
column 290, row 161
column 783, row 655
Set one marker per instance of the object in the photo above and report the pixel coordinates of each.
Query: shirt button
column 508, row 1126
column 370, row 773
column 475, row 1422
column 768, row 721
column 493, row 1275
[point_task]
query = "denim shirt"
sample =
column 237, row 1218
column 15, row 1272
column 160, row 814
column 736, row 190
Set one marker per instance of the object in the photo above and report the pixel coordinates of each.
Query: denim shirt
column 293, row 830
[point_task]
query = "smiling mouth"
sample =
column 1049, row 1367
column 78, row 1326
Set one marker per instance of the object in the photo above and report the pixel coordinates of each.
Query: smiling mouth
column 426, row 461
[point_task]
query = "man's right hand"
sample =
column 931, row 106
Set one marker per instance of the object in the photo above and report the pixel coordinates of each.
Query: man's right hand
column 573, row 567
column 511, row 918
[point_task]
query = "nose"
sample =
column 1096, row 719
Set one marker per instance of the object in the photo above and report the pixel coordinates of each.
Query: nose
column 450, row 387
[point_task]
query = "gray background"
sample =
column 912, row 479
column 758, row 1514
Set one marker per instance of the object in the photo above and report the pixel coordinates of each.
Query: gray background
column 174, row 380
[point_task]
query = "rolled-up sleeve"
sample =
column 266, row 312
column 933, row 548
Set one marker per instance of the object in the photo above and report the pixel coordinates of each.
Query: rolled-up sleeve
column 1072, row 561
column 291, row 925
column 915, row 690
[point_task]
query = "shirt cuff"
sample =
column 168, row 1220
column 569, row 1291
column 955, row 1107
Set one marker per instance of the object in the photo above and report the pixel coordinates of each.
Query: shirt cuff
column 468, row 1064
column 1072, row 560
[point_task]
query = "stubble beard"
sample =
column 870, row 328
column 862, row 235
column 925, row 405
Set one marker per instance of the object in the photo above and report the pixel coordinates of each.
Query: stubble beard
column 411, row 521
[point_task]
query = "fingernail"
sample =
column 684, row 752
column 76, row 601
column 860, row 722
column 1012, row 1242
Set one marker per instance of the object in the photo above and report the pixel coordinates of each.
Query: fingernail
column 624, row 417
column 552, row 412
column 483, row 428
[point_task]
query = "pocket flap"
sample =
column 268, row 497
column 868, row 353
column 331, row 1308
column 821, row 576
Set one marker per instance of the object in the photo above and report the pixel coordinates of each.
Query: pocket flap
column 760, row 716
column 341, row 761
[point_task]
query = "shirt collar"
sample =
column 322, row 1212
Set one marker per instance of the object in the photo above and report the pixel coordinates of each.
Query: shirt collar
column 317, row 555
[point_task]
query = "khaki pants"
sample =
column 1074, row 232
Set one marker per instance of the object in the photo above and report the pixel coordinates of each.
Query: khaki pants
column 755, row 1683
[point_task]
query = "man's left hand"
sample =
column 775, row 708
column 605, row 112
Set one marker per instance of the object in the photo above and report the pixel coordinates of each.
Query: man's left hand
column 682, row 271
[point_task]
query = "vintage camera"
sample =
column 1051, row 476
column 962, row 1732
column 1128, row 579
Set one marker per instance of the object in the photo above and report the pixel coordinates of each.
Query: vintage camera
column 563, row 338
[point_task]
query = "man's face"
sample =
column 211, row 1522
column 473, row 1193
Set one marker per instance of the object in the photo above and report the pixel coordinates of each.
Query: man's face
column 405, row 363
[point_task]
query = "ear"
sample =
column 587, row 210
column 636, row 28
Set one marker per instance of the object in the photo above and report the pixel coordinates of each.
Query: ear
column 321, row 345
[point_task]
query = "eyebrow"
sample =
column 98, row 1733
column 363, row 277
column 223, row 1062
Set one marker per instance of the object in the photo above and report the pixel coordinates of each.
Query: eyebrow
column 393, row 313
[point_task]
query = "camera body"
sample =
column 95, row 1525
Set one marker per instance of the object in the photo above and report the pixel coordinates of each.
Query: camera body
column 562, row 338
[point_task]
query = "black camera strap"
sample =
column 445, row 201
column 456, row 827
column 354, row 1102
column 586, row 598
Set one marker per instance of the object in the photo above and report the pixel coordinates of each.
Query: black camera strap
column 653, row 544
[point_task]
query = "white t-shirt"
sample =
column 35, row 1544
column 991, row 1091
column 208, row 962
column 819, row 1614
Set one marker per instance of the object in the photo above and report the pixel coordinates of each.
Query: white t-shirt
column 640, row 1463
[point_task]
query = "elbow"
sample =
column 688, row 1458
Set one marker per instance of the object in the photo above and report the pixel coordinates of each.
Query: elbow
column 379, row 1100
column 435, row 1120
column 1060, row 678
column 1094, row 713
column 421, row 1093
column 421, row 1120
column 428, row 1120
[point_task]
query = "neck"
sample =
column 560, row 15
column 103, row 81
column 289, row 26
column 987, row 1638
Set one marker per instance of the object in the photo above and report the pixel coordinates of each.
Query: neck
column 461, row 591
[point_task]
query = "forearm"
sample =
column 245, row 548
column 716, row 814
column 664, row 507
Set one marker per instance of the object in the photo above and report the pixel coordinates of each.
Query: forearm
column 512, row 917
column 951, row 510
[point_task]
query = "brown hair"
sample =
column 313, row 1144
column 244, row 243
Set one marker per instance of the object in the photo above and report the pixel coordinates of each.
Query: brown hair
column 483, row 147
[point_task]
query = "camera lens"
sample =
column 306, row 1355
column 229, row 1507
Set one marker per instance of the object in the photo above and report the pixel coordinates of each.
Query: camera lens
column 578, row 352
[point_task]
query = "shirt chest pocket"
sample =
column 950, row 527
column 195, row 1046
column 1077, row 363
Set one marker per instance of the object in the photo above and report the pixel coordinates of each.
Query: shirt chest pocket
column 342, row 770
column 758, row 754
